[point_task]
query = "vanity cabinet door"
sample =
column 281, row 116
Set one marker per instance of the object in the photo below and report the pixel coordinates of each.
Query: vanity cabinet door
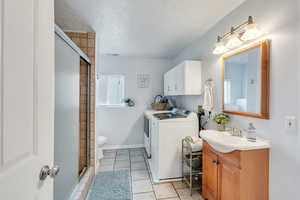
column 238, row 175
column 210, row 176
column 229, row 181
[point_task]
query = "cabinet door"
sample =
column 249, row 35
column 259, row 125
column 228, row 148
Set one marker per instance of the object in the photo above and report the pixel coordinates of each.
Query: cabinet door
column 175, row 81
column 210, row 176
column 166, row 84
column 192, row 78
column 169, row 83
column 179, row 79
column 172, row 81
column 229, row 182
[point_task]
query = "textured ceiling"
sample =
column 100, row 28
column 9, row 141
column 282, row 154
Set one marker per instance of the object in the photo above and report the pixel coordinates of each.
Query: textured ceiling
column 144, row 28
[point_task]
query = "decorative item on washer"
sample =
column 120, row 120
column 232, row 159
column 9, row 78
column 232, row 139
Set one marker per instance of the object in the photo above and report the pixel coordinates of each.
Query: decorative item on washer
column 160, row 103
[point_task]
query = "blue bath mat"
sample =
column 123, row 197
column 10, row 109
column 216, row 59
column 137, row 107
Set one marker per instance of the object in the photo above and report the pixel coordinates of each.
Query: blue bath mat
column 111, row 185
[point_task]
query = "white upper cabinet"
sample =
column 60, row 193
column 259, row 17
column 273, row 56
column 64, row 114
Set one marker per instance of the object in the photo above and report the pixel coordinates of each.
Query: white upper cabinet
column 184, row 79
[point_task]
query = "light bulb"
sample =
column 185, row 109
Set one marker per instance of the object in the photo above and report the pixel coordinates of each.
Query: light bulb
column 233, row 42
column 220, row 48
column 251, row 32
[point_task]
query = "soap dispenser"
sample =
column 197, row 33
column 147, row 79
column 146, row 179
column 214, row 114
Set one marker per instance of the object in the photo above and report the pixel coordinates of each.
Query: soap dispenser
column 251, row 133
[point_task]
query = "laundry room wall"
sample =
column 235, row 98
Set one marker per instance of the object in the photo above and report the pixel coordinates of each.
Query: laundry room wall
column 123, row 126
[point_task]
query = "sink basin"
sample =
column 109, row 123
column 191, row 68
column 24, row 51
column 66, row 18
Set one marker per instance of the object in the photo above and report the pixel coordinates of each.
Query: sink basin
column 224, row 142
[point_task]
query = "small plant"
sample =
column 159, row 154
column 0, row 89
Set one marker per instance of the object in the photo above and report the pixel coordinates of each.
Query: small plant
column 129, row 102
column 126, row 100
column 221, row 119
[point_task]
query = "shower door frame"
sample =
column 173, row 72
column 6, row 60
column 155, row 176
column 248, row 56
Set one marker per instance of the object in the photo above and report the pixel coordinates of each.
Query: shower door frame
column 88, row 124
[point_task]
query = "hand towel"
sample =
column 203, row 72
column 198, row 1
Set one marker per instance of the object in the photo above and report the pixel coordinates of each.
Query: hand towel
column 208, row 102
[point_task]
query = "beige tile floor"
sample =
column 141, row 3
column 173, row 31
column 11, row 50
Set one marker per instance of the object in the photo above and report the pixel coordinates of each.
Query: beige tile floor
column 141, row 183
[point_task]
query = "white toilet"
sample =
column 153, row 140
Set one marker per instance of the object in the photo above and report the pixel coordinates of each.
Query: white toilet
column 101, row 140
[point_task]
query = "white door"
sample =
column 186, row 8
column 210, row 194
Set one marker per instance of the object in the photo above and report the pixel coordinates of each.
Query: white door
column 27, row 98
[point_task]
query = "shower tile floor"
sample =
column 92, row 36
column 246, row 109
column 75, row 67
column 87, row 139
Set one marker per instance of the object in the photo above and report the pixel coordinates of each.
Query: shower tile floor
column 142, row 186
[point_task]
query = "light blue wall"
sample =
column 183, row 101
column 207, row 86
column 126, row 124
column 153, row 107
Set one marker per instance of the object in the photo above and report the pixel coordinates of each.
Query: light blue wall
column 280, row 18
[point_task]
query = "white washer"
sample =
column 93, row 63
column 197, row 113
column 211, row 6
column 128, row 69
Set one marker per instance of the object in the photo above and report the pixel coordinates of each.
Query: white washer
column 148, row 116
column 166, row 137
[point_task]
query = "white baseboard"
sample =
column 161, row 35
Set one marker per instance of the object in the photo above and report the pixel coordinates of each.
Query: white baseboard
column 131, row 146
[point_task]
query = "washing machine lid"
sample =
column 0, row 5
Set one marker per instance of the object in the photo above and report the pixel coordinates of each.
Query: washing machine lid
column 172, row 115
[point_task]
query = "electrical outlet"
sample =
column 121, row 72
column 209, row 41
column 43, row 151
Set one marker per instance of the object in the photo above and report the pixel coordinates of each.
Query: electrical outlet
column 290, row 122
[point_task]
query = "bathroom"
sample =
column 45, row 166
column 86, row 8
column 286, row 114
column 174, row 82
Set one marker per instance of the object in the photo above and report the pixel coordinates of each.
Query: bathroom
column 123, row 51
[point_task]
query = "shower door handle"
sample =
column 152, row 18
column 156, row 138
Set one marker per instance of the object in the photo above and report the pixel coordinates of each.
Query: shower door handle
column 46, row 171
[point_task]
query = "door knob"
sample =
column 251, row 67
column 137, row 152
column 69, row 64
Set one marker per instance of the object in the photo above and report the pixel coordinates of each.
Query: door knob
column 46, row 171
column 54, row 171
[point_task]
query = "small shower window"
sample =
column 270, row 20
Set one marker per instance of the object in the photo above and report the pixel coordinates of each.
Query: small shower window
column 110, row 90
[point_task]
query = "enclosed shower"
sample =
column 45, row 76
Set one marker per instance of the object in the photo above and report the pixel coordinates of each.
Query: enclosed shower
column 72, row 115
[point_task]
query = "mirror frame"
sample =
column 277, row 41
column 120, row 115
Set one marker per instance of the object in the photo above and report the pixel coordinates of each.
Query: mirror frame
column 265, row 62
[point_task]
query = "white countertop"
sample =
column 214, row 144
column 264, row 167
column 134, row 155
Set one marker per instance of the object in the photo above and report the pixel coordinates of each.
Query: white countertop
column 224, row 142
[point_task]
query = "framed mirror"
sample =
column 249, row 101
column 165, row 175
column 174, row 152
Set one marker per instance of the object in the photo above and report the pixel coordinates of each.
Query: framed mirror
column 245, row 81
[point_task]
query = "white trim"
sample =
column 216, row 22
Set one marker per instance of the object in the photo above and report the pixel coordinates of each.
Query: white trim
column 1, row 83
column 130, row 146
column 59, row 32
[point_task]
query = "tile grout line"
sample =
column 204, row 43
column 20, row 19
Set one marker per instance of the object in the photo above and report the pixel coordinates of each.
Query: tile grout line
column 176, row 191
column 150, row 176
column 152, row 183
column 147, row 170
column 131, row 181
column 115, row 160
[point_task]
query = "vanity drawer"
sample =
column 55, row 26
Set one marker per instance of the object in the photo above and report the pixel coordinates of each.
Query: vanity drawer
column 232, row 158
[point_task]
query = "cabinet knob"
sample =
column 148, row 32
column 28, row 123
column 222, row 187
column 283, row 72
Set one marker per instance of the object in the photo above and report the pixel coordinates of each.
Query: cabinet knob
column 216, row 162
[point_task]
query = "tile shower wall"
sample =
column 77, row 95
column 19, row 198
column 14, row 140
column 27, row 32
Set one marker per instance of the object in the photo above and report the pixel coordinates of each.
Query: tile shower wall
column 86, row 42
column 83, row 153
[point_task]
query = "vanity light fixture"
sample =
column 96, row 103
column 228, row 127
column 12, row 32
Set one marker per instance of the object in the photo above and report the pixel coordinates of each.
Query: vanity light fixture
column 234, row 40
column 220, row 47
column 251, row 31
column 244, row 32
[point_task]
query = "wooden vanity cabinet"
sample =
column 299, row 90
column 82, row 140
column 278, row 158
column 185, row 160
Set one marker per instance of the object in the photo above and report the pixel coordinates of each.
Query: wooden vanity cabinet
column 238, row 175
